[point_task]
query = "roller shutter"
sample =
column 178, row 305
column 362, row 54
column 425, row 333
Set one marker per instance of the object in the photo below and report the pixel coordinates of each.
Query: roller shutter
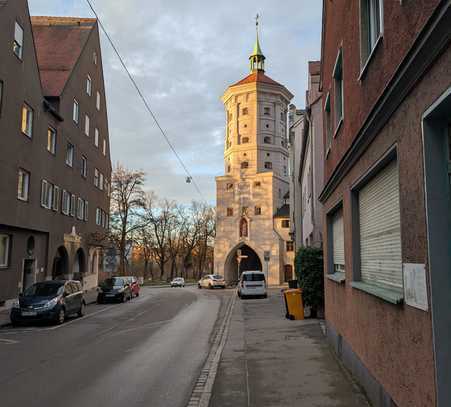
column 380, row 229
column 338, row 241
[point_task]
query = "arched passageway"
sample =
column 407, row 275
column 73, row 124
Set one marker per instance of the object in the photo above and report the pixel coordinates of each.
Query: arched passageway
column 241, row 258
column 60, row 264
column 78, row 268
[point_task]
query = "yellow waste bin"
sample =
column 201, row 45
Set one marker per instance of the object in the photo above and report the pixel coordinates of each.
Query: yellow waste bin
column 294, row 304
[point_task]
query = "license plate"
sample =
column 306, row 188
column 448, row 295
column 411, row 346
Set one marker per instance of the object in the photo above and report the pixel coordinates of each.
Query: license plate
column 29, row 313
column 109, row 295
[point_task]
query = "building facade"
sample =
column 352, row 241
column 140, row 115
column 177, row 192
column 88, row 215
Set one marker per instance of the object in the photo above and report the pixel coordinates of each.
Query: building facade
column 295, row 132
column 54, row 149
column 252, row 211
column 386, row 96
column 311, row 171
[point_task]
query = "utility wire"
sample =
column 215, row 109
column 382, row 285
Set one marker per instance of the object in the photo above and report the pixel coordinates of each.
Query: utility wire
column 144, row 100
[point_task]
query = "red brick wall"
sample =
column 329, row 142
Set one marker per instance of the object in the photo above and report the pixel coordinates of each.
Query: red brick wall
column 394, row 342
column 402, row 23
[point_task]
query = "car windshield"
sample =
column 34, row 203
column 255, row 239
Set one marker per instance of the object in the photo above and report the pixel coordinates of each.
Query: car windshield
column 113, row 282
column 254, row 277
column 44, row 289
column 216, row 277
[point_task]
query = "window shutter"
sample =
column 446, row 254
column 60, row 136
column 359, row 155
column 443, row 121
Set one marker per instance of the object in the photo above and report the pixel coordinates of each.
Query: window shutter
column 338, row 241
column 380, row 229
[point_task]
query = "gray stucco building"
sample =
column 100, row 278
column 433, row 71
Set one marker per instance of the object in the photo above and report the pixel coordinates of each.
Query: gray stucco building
column 54, row 150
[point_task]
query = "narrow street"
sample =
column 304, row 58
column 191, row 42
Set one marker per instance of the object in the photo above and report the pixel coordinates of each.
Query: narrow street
column 147, row 352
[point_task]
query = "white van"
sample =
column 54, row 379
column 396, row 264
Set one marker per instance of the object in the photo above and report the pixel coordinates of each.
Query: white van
column 252, row 284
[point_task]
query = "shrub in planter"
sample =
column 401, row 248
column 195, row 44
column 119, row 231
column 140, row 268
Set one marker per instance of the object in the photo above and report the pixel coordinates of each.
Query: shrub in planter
column 309, row 271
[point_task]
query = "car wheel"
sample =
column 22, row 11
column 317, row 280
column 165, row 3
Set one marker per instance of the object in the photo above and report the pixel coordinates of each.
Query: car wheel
column 265, row 295
column 61, row 316
column 199, row 286
column 81, row 311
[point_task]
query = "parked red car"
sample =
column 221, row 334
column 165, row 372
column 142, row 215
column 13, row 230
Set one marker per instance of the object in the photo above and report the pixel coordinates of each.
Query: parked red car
column 134, row 285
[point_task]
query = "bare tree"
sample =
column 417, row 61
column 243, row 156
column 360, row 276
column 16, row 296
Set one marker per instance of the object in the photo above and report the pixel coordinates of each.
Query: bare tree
column 127, row 201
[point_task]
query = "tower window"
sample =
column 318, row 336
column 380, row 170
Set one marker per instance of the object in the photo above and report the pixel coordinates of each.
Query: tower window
column 266, row 111
column 229, row 187
column 245, row 140
column 229, row 211
column 257, row 210
column 290, row 246
column 257, row 184
column 285, row 223
column 244, row 165
column 243, row 228
column 267, row 126
column 268, row 165
column 245, row 111
column 229, row 168
column 267, row 140
column 267, row 154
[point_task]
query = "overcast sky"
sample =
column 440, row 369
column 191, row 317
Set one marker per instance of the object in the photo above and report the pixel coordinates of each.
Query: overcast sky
column 184, row 54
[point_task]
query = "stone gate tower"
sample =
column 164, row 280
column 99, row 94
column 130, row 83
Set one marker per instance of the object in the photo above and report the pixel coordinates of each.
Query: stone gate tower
column 252, row 197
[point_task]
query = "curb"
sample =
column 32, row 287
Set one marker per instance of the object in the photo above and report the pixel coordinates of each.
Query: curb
column 201, row 395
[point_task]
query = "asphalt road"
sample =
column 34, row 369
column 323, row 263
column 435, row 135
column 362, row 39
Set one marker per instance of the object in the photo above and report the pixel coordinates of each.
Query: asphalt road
column 147, row 352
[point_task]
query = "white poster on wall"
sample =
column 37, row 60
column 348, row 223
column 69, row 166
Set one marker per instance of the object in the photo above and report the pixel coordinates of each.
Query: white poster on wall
column 415, row 288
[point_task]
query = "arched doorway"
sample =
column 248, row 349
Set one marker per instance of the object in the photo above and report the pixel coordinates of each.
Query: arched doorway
column 235, row 265
column 60, row 264
column 78, row 268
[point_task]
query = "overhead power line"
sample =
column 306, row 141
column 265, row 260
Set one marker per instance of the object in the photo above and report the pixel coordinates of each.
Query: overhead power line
column 189, row 177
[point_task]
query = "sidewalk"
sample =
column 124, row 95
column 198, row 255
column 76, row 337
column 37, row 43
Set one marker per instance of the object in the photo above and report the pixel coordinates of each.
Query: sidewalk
column 269, row 361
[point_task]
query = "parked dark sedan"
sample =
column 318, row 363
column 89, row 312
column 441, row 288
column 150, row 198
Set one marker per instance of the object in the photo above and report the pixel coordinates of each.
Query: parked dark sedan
column 114, row 289
column 49, row 301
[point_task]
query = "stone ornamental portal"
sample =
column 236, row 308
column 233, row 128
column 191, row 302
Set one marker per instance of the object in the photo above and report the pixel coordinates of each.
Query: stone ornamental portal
column 251, row 198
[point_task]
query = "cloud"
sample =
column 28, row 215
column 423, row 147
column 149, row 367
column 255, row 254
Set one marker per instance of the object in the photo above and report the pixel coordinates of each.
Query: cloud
column 184, row 54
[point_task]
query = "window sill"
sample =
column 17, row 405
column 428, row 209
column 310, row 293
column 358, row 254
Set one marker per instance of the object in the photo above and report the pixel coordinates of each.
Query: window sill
column 392, row 296
column 337, row 129
column 338, row 277
column 327, row 152
column 369, row 59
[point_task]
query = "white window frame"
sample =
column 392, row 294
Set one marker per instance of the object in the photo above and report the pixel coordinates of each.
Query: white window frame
column 96, row 177
column 371, row 29
column 18, row 41
column 46, row 194
column 84, row 166
column 56, row 198
column 80, row 208
column 23, row 185
column 72, row 205
column 88, row 85
column 96, row 137
column 70, row 152
column 76, row 112
column 101, row 181
column 65, row 202
column 27, row 120
column 5, row 261
column 104, row 147
column 98, row 101
column 98, row 217
column 87, row 125
column 51, row 140
column 338, row 89
column 86, row 210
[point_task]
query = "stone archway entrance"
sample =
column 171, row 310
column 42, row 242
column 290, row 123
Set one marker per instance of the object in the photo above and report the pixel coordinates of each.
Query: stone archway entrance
column 249, row 261
column 60, row 264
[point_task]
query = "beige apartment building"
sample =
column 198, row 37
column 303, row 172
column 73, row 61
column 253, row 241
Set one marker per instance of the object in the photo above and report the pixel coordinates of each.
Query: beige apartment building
column 253, row 216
